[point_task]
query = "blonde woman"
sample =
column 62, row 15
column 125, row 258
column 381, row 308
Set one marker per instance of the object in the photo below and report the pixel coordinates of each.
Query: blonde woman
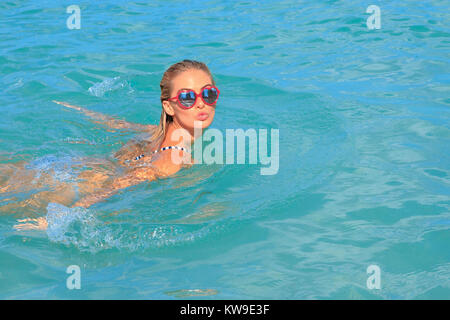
column 188, row 95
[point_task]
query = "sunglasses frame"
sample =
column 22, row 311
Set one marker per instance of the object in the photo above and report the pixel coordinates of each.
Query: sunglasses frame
column 176, row 98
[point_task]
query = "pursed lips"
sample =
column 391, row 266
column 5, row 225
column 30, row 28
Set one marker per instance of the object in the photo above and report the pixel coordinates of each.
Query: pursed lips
column 202, row 116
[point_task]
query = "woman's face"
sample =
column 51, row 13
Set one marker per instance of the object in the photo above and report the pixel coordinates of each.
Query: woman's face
column 202, row 113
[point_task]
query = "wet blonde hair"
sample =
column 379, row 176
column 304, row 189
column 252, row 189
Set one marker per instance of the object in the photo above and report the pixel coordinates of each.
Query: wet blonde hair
column 166, row 88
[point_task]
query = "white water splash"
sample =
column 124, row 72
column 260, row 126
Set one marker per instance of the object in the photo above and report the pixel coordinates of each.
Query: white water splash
column 81, row 228
column 109, row 84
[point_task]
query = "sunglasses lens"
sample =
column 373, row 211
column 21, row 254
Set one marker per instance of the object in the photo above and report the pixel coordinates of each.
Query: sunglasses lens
column 210, row 95
column 187, row 98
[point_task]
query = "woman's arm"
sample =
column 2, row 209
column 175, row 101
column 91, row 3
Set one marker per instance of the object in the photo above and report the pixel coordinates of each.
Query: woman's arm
column 108, row 120
column 162, row 167
column 136, row 176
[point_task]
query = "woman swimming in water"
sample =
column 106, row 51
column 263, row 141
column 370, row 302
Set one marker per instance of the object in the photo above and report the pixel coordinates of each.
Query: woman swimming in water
column 188, row 95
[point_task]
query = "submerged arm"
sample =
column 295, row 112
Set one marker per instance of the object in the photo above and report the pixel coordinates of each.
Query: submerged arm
column 162, row 167
column 107, row 120
column 136, row 176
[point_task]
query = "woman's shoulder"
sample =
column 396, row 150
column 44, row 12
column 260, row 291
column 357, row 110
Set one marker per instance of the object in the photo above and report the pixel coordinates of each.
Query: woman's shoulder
column 171, row 161
column 132, row 149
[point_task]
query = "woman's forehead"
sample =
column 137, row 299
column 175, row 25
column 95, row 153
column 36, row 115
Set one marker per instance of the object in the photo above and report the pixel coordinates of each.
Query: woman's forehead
column 191, row 79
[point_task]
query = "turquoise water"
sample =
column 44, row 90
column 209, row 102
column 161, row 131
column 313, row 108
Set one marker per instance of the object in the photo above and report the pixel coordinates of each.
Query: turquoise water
column 364, row 150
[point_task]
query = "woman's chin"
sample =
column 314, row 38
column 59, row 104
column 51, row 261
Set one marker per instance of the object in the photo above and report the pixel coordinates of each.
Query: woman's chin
column 202, row 124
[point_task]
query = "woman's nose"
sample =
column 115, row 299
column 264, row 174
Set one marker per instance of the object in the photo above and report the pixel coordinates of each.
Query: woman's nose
column 200, row 104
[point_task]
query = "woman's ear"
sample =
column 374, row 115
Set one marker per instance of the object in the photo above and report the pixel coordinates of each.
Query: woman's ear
column 168, row 108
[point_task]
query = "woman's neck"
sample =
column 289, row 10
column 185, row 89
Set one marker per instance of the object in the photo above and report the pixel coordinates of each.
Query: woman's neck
column 174, row 138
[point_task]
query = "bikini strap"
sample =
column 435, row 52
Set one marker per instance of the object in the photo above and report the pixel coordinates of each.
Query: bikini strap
column 162, row 149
